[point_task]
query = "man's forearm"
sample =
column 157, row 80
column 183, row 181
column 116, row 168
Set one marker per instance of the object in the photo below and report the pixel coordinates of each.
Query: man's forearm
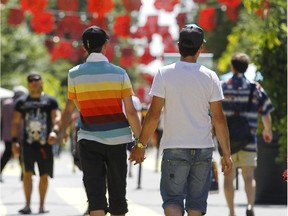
column 15, row 125
column 267, row 121
column 56, row 120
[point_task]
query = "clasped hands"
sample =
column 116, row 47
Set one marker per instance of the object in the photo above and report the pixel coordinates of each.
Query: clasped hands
column 137, row 155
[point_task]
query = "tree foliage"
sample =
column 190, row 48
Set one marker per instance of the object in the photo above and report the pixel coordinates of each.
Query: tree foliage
column 23, row 52
column 264, row 39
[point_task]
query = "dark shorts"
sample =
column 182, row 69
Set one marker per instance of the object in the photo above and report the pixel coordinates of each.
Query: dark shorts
column 43, row 156
column 104, row 167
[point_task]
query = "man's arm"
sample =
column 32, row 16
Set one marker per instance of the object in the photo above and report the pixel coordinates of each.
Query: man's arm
column 149, row 126
column 66, row 119
column 16, row 121
column 222, row 133
column 267, row 131
column 132, row 116
column 152, row 119
column 55, row 119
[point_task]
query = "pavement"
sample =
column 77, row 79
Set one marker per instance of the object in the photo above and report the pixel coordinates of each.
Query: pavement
column 66, row 196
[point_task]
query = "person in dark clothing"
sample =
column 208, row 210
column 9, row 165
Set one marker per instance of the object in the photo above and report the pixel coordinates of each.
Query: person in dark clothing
column 41, row 116
column 236, row 91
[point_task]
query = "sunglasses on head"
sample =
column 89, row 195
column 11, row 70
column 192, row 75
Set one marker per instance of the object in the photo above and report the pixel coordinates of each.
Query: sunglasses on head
column 34, row 80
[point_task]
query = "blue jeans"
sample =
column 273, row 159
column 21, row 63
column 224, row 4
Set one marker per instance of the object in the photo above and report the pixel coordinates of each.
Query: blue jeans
column 186, row 175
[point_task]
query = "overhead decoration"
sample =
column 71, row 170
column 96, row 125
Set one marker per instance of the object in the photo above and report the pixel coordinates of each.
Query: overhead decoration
column 43, row 22
column 127, row 57
column 151, row 26
column 34, row 6
column 232, row 13
column 169, row 45
column 140, row 32
column 110, row 54
column 132, row 5
column 230, row 3
column 70, row 27
column 64, row 24
column 15, row 16
column 181, row 20
column 207, row 18
column 146, row 58
column 64, row 50
column 98, row 21
column 100, row 6
column 121, row 26
column 200, row 1
column 68, row 5
column 167, row 5
column 163, row 31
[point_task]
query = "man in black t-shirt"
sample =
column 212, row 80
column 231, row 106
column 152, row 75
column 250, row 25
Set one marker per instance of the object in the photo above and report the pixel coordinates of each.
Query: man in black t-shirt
column 41, row 116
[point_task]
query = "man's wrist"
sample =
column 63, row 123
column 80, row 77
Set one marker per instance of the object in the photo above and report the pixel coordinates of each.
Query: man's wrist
column 139, row 144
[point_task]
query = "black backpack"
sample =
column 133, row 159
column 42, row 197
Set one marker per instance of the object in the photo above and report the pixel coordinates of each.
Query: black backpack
column 239, row 129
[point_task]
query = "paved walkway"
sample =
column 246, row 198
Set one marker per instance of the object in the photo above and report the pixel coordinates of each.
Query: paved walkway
column 66, row 195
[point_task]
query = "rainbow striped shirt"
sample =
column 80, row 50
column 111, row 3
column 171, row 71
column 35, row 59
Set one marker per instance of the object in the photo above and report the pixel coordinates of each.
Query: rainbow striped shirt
column 98, row 87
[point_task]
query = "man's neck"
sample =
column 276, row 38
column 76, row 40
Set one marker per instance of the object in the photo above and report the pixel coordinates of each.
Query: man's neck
column 190, row 59
column 35, row 94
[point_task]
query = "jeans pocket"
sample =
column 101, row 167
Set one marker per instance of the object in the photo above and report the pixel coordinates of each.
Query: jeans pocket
column 177, row 171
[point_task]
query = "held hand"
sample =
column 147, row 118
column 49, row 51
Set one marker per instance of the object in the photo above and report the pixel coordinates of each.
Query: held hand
column 52, row 139
column 267, row 135
column 137, row 155
column 16, row 149
column 227, row 165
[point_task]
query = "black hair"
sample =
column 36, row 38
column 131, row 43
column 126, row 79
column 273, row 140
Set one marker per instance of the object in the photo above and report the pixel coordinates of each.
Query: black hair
column 95, row 50
column 240, row 62
column 184, row 51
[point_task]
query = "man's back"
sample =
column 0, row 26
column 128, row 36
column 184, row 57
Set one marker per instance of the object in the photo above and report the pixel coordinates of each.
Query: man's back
column 99, row 88
column 188, row 88
column 236, row 91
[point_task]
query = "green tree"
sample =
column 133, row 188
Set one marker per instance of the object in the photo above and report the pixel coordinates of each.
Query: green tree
column 23, row 52
column 264, row 38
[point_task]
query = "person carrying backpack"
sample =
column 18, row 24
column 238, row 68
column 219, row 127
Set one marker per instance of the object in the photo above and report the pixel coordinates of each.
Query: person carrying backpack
column 242, row 99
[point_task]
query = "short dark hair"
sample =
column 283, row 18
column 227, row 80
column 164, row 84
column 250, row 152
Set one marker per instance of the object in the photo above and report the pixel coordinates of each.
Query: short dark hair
column 240, row 62
column 185, row 51
column 94, row 38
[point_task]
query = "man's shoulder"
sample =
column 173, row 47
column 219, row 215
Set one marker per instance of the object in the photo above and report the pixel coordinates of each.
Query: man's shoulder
column 75, row 68
column 116, row 68
column 172, row 65
column 78, row 69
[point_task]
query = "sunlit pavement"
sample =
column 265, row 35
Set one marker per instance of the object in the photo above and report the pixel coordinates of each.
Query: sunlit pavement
column 66, row 196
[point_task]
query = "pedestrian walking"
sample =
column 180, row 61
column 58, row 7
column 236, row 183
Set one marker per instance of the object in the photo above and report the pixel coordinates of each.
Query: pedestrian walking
column 188, row 92
column 237, row 91
column 41, row 116
column 98, row 88
column 6, row 123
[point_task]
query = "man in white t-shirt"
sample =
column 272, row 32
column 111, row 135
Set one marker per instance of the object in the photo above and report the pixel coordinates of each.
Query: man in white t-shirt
column 188, row 92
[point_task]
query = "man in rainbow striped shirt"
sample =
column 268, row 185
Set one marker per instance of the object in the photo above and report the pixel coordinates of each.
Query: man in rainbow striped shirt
column 98, row 88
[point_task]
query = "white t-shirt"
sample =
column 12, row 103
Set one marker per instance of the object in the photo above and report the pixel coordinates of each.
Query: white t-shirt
column 187, row 89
